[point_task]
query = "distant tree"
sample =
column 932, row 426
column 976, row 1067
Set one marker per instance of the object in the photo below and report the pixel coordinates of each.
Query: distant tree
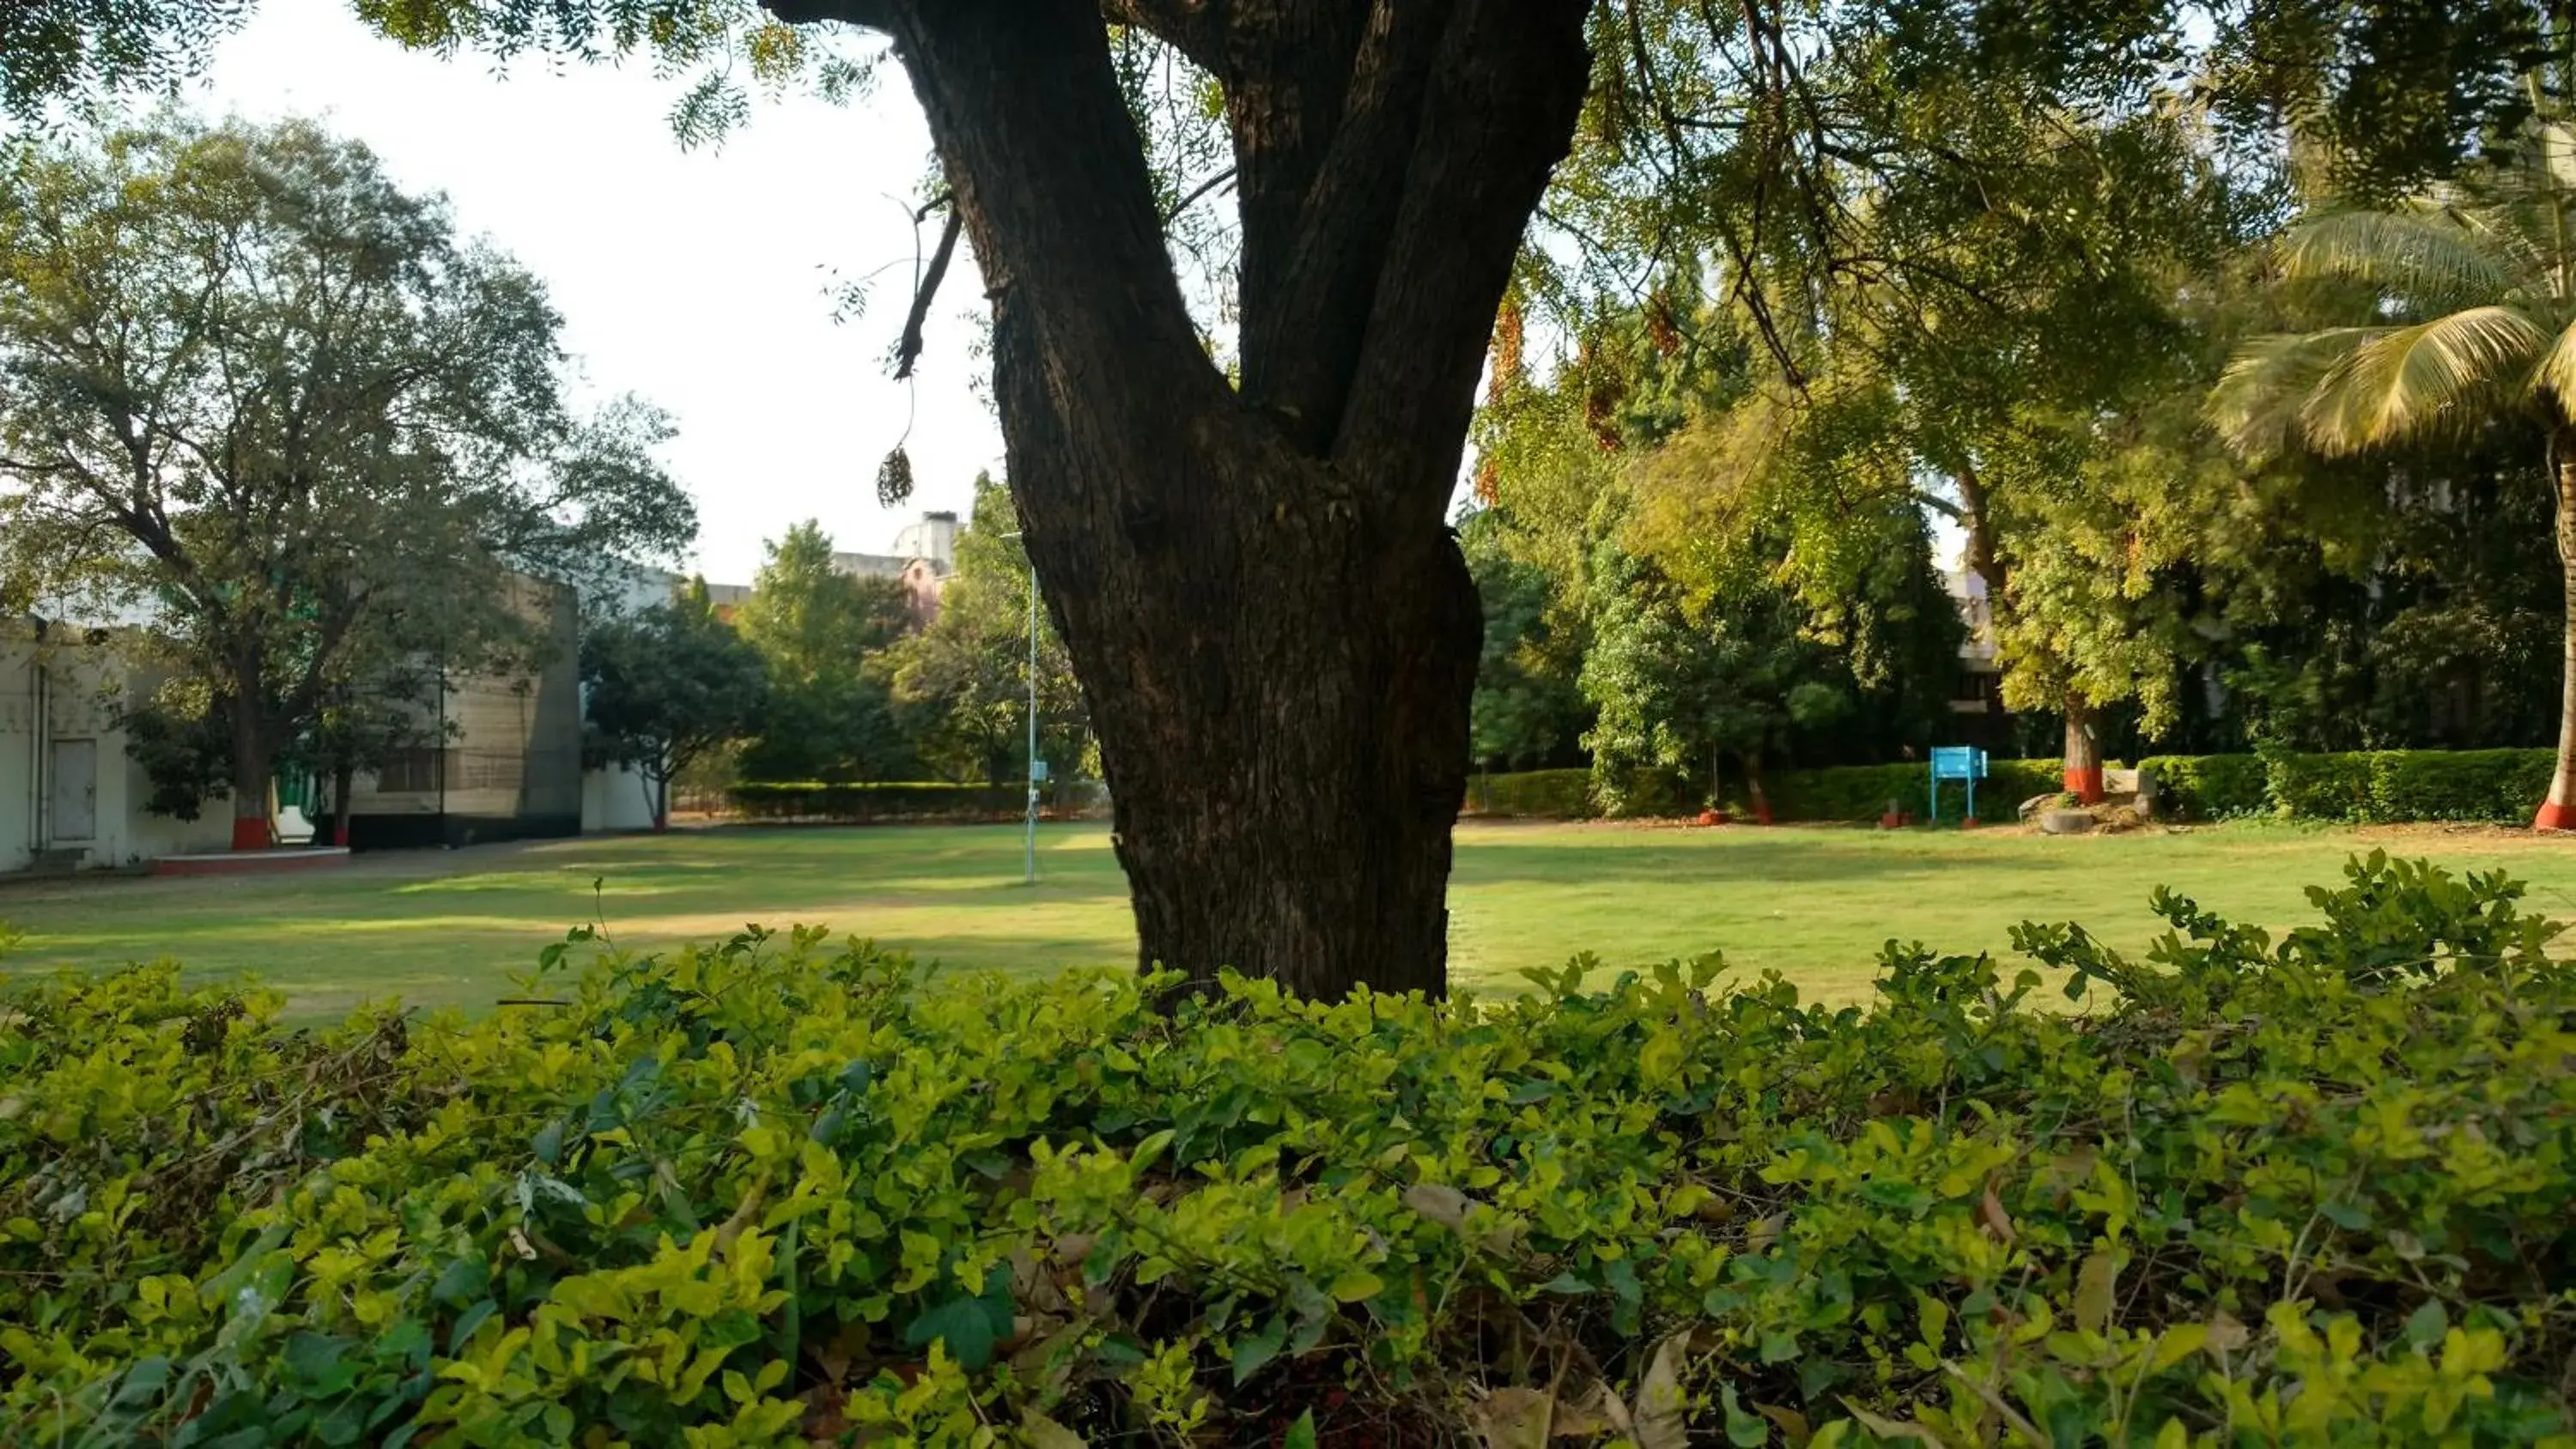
column 810, row 620
column 1529, row 707
column 823, row 635
column 962, row 684
column 249, row 386
column 2463, row 308
column 665, row 688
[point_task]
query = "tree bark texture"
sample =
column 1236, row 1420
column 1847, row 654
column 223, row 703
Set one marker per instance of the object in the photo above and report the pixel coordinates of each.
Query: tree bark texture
column 2558, row 812
column 252, row 760
column 2083, row 750
column 1274, row 629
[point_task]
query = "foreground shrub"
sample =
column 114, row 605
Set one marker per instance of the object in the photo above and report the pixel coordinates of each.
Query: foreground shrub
column 2312, row 1191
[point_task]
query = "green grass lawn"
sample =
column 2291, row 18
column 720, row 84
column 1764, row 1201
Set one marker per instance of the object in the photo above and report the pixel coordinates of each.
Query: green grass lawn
column 447, row 928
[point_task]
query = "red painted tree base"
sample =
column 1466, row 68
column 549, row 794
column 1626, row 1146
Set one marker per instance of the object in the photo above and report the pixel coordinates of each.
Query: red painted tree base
column 2555, row 817
column 2085, row 785
column 250, row 833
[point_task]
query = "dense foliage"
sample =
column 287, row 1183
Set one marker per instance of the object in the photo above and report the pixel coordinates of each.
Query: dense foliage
column 2305, row 1190
column 2362, row 787
column 961, row 685
column 254, row 392
column 665, row 688
column 823, row 634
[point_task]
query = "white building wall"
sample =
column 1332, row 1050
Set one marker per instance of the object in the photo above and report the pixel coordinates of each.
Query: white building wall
column 614, row 799
column 75, row 698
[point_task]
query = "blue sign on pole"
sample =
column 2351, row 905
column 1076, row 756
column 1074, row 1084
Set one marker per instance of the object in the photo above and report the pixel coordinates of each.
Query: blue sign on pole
column 1965, row 763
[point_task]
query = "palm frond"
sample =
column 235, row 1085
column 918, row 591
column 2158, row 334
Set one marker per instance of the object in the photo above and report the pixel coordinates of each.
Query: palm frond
column 2556, row 374
column 2424, row 255
column 2256, row 406
column 2409, row 381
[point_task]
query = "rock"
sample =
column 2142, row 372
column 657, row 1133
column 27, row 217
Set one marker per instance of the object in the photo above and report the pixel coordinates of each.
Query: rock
column 2065, row 822
column 2035, row 804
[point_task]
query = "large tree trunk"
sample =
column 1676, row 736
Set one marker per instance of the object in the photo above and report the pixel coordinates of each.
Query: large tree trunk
column 1274, row 630
column 344, row 779
column 252, row 761
column 2083, row 749
column 2558, row 812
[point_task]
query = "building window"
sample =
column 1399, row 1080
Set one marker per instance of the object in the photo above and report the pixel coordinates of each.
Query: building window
column 410, row 771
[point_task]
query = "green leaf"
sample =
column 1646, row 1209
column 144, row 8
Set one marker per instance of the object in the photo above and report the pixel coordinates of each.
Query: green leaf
column 960, row 1323
column 2426, row 1325
column 1356, row 1285
column 1148, row 1152
column 2095, row 1286
column 1301, row 1435
column 1045, row 1433
column 1253, row 1350
column 461, row 1282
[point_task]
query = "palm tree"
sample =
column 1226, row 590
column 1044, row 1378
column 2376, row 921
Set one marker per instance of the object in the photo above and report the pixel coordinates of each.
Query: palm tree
column 2470, row 298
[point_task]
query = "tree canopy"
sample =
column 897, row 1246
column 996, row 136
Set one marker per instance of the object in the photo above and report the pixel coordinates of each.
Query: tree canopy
column 256, row 392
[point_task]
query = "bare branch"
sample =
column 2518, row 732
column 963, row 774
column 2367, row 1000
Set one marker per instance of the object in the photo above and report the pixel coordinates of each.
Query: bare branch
column 908, row 350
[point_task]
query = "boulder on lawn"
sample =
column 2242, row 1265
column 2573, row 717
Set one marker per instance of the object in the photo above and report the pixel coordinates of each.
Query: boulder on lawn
column 2065, row 822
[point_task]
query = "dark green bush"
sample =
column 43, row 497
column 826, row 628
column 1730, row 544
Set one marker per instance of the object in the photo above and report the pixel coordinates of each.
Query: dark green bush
column 2319, row 787
column 2311, row 1192
column 2208, row 787
column 2494, row 785
column 815, row 800
column 1862, row 792
column 1532, row 794
column 2384, row 786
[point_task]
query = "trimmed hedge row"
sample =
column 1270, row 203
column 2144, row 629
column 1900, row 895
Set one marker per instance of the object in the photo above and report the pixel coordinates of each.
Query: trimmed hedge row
column 860, row 803
column 2208, row 787
column 1862, row 792
column 1532, row 794
column 2362, row 787
column 780, row 1192
column 2371, row 787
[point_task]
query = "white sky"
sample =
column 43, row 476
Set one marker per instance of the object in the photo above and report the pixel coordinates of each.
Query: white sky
column 698, row 279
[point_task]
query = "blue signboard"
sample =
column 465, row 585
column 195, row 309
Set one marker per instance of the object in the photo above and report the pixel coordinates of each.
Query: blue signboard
column 1957, row 762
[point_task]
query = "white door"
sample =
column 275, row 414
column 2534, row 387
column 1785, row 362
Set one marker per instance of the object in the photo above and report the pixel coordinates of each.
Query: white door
column 75, row 790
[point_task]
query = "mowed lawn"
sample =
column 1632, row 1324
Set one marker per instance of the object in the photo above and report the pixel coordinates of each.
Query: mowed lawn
column 447, row 928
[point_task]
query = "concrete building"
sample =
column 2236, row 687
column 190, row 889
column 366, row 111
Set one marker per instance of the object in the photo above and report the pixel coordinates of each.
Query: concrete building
column 70, row 797
column 924, row 555
column 506, row 762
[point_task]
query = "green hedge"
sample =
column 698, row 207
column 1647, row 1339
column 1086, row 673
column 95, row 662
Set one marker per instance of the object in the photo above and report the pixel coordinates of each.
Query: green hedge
column 777, row 1192
column 816, row 800
column 2208, row 787
column 1861, row 792
column 1533, row 794
column 2365, row 787
column 2361, row 787
column 2497, row 785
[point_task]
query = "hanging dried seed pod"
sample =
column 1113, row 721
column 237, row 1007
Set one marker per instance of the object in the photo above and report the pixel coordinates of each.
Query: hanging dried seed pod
column 894, row 479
